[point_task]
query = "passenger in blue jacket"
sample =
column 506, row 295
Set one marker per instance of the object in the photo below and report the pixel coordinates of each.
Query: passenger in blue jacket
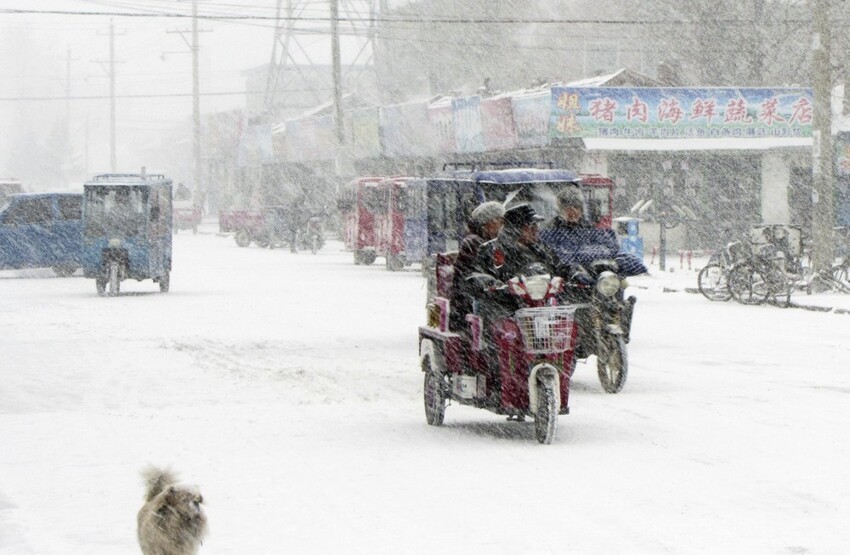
column 577, row 242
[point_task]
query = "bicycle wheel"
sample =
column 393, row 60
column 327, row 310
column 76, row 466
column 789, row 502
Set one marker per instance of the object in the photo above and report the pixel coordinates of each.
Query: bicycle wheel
column 747, row 284
column 841, row 275
column 713, row 283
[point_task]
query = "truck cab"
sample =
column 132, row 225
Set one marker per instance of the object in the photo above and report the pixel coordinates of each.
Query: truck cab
column 42, row 230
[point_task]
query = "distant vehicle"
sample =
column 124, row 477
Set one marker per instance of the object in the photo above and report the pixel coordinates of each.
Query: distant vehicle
column 42, row 230
column 363, row 206
column 9, row 187
column 186, row 215
column 127, row 230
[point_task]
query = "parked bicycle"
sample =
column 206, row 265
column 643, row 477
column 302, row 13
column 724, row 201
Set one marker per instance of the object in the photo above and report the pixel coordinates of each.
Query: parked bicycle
column 774, row 267
column 713, row 278
column 837, row 278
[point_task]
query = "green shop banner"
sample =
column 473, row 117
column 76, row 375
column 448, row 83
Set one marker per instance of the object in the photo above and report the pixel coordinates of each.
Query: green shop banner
column 687, row 113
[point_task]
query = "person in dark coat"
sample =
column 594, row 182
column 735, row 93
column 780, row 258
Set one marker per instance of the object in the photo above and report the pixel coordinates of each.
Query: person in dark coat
column 517, row 246
column 576, row 241
column 484, row 224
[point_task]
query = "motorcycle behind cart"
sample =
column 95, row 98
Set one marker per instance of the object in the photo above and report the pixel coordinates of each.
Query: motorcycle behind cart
column 127, row 231
column 515, row 362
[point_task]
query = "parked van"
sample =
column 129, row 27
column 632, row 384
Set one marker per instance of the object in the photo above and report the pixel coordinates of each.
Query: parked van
column 42, row 230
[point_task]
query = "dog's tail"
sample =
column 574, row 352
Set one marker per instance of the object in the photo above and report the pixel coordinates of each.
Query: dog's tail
column 156, row 480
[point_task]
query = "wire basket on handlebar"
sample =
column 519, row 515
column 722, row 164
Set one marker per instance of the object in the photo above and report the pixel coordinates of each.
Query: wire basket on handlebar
column 546, row 329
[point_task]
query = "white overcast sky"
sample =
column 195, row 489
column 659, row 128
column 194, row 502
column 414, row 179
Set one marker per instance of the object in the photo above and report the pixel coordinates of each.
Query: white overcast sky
column 151, row 56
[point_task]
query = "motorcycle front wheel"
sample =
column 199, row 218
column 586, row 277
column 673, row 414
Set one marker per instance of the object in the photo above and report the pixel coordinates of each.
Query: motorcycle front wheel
column 612, row 363
column 546, row 417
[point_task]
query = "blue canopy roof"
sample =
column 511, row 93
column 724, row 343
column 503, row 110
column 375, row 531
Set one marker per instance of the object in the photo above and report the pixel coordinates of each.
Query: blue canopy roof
column 518, row 175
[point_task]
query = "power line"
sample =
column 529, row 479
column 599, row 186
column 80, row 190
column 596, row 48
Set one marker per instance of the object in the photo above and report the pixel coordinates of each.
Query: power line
column 104, row 97
column 462, row 21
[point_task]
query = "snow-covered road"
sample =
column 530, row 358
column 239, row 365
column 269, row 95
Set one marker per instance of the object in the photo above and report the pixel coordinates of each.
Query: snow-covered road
column 287, row 387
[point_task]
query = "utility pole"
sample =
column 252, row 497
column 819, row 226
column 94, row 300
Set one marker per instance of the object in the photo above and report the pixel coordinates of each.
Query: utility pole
column 113, row 157
column 68, row 92
column 110, row 70
column 337, row 72
column 823, row 193
column 194, row 48
column 196, row 100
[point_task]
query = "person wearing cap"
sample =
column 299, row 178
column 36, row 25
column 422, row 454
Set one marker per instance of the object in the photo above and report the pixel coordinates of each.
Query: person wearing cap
column 516, row 247
column 484, row 224
column 576, row 241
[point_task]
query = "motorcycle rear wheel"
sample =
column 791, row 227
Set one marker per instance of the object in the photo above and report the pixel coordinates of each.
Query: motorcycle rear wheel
column 612, row 363
column 546, row 417
column 434, row 395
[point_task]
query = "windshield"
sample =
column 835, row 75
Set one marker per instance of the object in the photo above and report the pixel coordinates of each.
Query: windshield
column 375, row 200
column 115, row 211
column 541, row 196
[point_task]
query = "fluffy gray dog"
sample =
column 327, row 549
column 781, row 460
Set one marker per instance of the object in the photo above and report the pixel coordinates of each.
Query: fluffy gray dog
column 172, row 521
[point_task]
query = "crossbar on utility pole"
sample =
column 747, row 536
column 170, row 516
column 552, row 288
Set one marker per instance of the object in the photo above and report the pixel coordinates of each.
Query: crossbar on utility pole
column 823, row 194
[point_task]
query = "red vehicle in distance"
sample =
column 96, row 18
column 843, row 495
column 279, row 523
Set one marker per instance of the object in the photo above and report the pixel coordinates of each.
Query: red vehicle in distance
column 363, row 205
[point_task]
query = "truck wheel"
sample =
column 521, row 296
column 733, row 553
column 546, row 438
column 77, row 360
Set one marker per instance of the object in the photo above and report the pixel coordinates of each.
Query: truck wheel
column 368, row 257
column 114, row 279
column 242, row 238
column 395, row 263
column 165, row 282
column 100, row 285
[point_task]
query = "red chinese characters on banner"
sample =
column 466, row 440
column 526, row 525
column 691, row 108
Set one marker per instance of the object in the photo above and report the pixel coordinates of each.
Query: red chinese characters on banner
column 638, row 110
column 703, row 108
column 568, row 101
column 768, row 114
column 670, row 110
column 736, row 112
column 802, row 111
column 603, row 109
column 569, row 124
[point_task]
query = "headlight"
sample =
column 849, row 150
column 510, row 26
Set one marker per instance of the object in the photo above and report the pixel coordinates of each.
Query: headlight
column 114, row 243
column 537, row 286
column 608, row 284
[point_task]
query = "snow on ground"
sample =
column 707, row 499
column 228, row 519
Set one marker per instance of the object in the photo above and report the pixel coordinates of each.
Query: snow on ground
column 287, row 387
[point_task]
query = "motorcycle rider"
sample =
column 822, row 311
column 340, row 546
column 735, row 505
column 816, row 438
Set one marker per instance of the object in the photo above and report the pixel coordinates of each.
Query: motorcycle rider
column 511, row 253
column 484, row 224
column 576, row 241
column 517, row 246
